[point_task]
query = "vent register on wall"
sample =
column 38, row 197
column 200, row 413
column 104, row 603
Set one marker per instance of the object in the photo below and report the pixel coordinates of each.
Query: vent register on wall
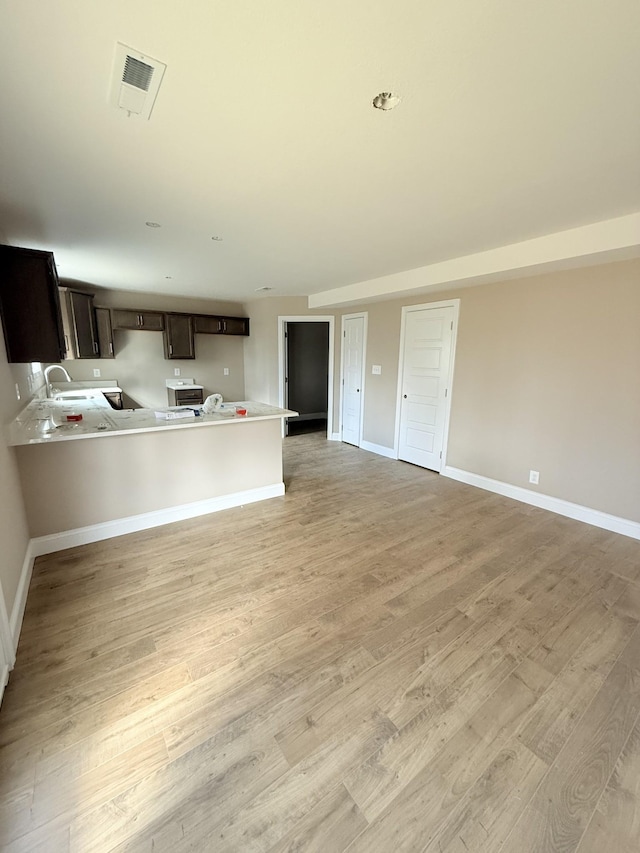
column 47, row 323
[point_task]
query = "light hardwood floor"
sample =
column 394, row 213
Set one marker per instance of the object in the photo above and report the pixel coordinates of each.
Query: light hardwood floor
column 383, row 660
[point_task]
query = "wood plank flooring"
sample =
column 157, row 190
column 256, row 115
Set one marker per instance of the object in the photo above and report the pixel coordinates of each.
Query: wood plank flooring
column 383, row 660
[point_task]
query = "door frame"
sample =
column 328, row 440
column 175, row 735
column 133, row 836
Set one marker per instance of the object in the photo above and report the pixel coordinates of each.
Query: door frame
column 365, row 328
column 445, row 303
column 307, row 318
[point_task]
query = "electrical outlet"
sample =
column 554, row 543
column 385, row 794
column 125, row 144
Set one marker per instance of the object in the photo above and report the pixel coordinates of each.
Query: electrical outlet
column 534, row 477
column 226, row 371
column 96, row 372
column 176, row 371
column 17, row 391
column 376, row 369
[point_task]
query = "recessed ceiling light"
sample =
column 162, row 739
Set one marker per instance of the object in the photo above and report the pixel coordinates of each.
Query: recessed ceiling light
column 386, row 101
column 262, row 289
column 217, row 239
column 168, row 276
column 152, row 224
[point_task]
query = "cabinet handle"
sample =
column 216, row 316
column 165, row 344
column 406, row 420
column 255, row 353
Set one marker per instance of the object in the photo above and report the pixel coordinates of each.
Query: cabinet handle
column 170, row 349
column 110, row 347
column 224, row 325
column 95, row 347
column 139, row 319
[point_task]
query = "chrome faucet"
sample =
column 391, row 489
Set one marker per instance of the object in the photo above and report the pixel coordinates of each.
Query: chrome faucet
column 48, row 370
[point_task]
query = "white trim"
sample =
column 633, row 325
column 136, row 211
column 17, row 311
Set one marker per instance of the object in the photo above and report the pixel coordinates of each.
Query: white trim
column 446, row 303
column 306, row 318
column 380, row 449
column 335, row 436
column 7, row 652
column 7, row 645
column 20, row 601
column 144, row 521
column 4, row 678
column 624, row 526
column 365, row 331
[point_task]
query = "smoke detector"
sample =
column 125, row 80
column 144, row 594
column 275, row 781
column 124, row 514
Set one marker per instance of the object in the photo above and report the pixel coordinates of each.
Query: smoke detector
column 135, row 81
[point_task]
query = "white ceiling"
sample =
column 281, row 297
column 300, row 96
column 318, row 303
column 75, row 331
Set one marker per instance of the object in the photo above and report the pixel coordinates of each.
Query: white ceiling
column 517, row 119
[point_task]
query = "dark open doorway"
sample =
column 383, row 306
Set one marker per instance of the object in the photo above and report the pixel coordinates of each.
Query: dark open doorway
column 306, row 375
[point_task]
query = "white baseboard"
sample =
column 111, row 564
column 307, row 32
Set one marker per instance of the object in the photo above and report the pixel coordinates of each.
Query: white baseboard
column 144, row 521
column 20, row 602
column 334, row 436
column 380, row 449
column 581, row 513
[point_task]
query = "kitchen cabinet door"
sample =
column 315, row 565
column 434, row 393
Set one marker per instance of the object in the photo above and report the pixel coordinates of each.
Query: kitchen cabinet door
column 208, row 325
column 149, row 321
column 105, row 333
column 235, row 325
column 30, row 306
column 178, row 336
column 79, row 324
column 212, row 325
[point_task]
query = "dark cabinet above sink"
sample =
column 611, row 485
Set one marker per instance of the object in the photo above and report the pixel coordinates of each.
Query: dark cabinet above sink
column 30, row 306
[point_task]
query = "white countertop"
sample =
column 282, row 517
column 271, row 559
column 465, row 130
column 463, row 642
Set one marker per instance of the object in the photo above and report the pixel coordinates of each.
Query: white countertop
column 44, row 421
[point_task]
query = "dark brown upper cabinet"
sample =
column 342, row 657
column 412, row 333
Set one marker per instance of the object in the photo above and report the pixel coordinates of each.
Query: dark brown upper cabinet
column 148, row 321
column 235, row 325
column 105, row 333
column 30, row 306
column 79, row 324
column 178, row 336
column 212, row 325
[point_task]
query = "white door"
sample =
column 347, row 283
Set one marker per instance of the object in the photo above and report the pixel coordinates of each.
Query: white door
column 352, row 376
column 427, row 360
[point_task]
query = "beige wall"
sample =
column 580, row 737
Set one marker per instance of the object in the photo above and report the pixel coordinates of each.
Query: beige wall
column 113, row 477
column 261, row 347
column 547, row 377
column 140, row 366
column 14, row 534
column 261, row 365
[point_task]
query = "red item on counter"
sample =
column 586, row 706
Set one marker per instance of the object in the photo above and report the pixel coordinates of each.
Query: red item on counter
column 77, row 417
column 240, row 411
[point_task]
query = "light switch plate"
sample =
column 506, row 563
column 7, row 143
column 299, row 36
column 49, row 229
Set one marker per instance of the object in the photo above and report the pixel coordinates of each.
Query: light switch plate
column 226, row 371
column 176, row 371
column 96, row 372
column 376, row 369
column 534, row 477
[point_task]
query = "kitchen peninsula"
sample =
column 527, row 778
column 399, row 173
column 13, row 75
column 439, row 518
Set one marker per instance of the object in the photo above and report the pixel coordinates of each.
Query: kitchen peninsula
column 114, row 472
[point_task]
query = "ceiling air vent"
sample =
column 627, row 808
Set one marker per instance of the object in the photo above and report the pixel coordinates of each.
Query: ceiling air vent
column 135, row 81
